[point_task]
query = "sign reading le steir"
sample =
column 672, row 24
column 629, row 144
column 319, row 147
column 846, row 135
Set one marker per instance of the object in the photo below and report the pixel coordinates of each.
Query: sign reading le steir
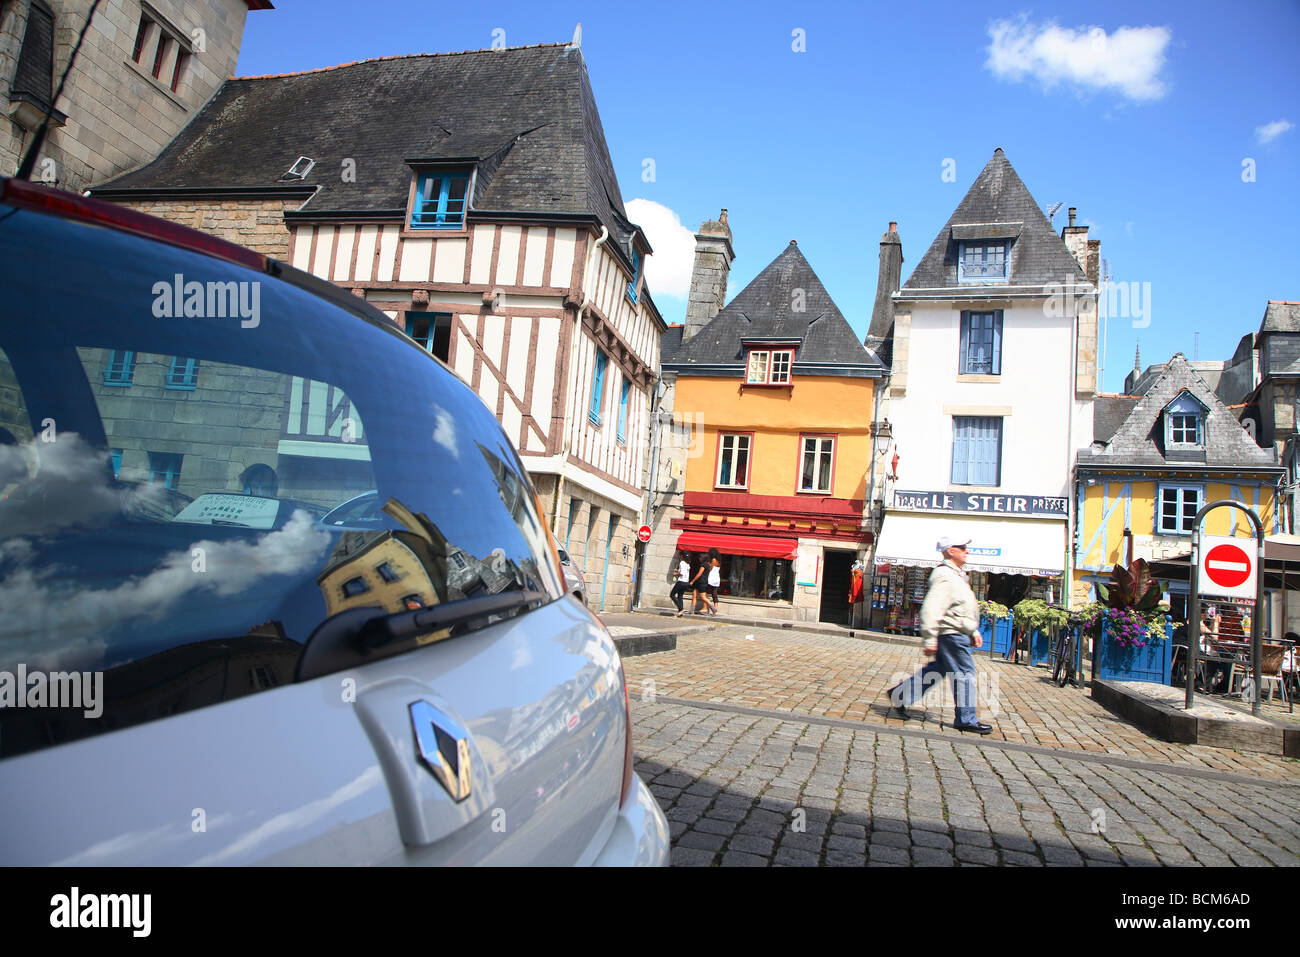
column 980, row 503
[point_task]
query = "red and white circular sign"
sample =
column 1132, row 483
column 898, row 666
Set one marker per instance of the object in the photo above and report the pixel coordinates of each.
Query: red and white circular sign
column 643, row 534
column 1227, row 567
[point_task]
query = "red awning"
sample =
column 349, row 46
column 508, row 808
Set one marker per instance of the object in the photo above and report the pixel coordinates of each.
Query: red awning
column 755, row 545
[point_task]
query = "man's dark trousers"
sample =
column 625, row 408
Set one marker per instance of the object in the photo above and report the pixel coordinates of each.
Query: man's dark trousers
column 953, row 659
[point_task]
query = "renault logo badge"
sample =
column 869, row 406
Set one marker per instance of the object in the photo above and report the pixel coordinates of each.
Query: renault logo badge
column 443, row 747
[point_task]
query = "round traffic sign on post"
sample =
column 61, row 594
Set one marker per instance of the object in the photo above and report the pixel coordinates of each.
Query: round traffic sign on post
column 1227, row 567
column 643, row 534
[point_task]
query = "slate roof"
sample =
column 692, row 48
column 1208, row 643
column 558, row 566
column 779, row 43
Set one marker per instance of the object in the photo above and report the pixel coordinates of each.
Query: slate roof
column 1281, row 316
column 526, row 114
column 766, row 309
column 997, row 203
column 1139, row 439
column 1109, row 413
column 670, row 342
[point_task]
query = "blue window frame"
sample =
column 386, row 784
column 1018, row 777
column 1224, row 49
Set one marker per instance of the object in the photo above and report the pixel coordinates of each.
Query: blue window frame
column 636, row 275
column 982, row 262
column 440, row 200
column 120, row 369
column 622, row 409
column 165, row 469
column 432, row 330
column 1184, row 418
column 976, row 450
column 597, row 388
column 183, row 374
column 117, row 462
column 1177, row 507
column 981, row 343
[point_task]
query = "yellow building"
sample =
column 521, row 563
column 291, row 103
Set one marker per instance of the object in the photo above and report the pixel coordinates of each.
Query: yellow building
column 1156, row 460
column 778, row 394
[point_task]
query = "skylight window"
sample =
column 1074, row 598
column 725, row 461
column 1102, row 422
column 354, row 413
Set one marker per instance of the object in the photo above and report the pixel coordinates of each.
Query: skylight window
column 300, row 168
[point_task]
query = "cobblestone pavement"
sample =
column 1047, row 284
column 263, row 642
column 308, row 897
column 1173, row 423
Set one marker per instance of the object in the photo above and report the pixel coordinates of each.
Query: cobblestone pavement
column 831, row 676
column 744, row 789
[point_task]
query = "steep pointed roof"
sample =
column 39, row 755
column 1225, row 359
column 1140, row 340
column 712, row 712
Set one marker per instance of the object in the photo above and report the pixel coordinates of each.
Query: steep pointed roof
column 525, row 115
column 1139, row 440
column 998, row 205
column 770, row 308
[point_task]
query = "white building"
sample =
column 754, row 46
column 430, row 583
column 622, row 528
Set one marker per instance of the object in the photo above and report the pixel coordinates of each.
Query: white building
column 994, row 371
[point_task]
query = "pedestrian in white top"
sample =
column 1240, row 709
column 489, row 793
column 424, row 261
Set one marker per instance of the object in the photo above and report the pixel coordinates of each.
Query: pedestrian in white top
column 683, row 583
column 710, row 596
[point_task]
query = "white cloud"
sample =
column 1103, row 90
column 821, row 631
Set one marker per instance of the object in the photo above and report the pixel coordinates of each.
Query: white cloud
column 1271, row 131
column 1128, row 60
column 668, row 271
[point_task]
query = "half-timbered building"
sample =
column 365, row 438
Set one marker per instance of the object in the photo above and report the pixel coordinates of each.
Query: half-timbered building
column 471, row 197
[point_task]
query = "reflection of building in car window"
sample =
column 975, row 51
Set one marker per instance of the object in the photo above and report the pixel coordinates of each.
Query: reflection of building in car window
column 259, row 479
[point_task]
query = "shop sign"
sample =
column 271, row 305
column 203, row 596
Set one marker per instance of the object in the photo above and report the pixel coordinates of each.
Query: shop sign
column 980, row 503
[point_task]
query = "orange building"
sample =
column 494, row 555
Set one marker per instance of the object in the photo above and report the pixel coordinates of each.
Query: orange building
column 777, row 393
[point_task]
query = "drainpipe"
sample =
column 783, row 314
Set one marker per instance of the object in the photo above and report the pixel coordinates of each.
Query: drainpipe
column 882, row 385
column 649, row 508
column 568, row 412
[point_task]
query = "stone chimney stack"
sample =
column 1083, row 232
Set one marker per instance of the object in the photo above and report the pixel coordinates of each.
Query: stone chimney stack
column 713, row 259
column 1086, row 252
column 887, row 282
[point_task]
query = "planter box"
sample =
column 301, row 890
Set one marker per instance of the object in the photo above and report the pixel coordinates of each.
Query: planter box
column 1040, row 647
column 1151, row 662
column 997, row 634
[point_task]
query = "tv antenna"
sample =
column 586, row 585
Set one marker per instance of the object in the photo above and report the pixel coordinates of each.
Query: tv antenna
column 1053, row 210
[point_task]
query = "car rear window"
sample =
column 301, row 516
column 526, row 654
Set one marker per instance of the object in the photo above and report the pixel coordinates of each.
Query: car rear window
column 185, row 499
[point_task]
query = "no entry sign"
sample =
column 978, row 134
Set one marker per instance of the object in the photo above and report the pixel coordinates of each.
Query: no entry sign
column 1227, row 567
column 643, row 534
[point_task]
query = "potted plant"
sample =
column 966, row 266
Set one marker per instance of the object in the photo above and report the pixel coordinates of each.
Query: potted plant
column 1131, row 627
column 996, row 622
column 1039, row 623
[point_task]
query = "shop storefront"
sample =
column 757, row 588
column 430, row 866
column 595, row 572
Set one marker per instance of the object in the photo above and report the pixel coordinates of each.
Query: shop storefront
column 1009, row 559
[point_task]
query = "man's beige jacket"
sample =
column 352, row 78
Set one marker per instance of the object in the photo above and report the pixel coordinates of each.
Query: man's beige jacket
column 950, row 607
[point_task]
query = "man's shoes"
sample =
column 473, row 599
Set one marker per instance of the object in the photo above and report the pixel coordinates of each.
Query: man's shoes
column 896, row 708
column 979, row 727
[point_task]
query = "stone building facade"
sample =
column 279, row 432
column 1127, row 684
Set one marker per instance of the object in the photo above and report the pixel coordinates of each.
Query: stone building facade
column 143, row 72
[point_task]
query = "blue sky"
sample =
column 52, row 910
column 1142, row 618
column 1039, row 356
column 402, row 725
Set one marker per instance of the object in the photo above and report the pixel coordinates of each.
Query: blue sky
column 1140, row 115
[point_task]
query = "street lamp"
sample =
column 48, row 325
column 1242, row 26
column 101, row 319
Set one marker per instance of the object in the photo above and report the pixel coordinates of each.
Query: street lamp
column 884, row 434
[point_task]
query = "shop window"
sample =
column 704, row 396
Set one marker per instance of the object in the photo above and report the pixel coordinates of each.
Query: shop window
column 981, row 343
column 817, row 469
column 733, row 460
column 744, row 576
column 976, row 450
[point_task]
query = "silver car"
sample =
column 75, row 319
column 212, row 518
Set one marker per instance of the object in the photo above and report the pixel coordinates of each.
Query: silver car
column 215, row 663
column 573, row 580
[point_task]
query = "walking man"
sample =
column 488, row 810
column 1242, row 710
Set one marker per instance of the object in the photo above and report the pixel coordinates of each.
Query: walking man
column 683, row 583
column 950, row 627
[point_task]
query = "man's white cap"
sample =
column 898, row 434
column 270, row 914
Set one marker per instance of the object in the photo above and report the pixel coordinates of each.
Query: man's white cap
column 950, row 541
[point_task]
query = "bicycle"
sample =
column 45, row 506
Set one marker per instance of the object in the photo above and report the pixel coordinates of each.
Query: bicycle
column 1063, row 669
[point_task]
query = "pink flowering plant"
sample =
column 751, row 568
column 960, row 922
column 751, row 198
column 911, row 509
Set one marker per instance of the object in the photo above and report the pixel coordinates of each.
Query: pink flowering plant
column 1131, row 607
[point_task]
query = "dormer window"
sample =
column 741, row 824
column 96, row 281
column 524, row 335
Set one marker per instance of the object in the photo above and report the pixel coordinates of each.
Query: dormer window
column 1184, row 423
column 440, row 200
column 768, row 366
column 982, row 261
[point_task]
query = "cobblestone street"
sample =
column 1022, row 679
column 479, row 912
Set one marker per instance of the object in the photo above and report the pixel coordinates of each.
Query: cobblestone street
column 771, row 747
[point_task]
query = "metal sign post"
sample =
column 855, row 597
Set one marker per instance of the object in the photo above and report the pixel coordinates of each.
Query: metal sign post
column 1194, row 615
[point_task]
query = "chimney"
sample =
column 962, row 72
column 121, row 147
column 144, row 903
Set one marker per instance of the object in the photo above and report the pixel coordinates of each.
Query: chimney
column 713, row 259
column 891, row 273
column 1086, row 252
